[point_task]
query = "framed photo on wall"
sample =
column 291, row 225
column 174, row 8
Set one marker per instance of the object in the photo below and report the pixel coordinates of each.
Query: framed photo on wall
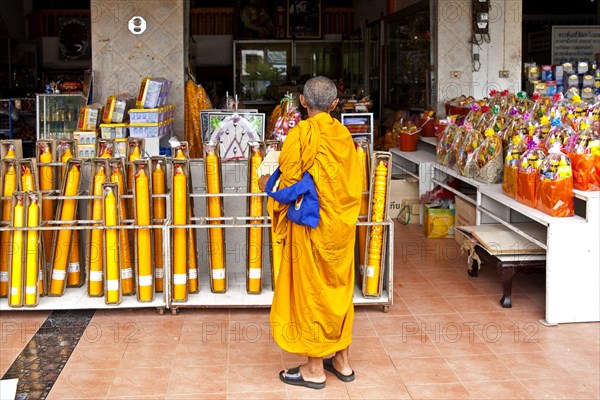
column 255, row 19
column 303, row 19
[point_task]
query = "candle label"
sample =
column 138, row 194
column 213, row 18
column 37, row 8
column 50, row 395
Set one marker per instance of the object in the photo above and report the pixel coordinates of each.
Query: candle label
column 3, row 276
column 41, row 276
column 255, row 273
column 193, row 273
column 59, row 274
column 370, row 272
column 74, row 267
column 145, row 280
column 126, row 273
column 96, row 276
column 14, row 290
column 30, row 289
column 159, row 272
column 218, row 274
column 112, row 284
column 179, row 279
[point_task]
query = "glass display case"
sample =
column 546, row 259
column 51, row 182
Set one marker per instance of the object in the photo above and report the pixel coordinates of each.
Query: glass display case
column 408, row 58
column 57, row 115
column 353, row 61
column 261, row 69
column 374, row 64
column 322, row 57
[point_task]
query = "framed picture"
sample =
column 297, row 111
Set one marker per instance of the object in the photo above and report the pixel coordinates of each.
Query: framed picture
column 303, row 19
column 234, row 132
column 255, row 19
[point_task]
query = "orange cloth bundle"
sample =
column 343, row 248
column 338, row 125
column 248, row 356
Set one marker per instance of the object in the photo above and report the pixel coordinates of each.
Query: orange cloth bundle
column 555, row 185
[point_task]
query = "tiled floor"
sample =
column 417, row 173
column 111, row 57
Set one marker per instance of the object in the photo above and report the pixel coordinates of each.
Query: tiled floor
column 445, row 337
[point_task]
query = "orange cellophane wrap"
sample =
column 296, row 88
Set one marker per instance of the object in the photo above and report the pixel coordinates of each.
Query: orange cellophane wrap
column 526, row 188
column 586, row 171
column 509, row 184
column 555, row 197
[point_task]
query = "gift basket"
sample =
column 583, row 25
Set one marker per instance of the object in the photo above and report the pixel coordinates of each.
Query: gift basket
column 487, row 159
column 555, row 184
column 584, row 151
column 527, row 175
column 511, row 166
column 464, row 150
column 444, row 150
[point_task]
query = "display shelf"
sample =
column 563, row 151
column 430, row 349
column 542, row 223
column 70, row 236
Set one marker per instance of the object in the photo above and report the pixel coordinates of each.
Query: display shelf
column 429, row 140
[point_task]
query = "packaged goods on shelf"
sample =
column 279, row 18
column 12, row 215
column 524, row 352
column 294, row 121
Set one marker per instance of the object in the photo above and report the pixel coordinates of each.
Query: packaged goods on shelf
column 114, row 131
column 555, row 185
column 527, row 175
column 89, row 117
column 151, row 115
column 84, row 138
column 115, row 110
column 34, row 246
column 106, row 148
column 153, row 93
column 511, row 166
column 121, row 147
column 46, row 154
column 150, row 130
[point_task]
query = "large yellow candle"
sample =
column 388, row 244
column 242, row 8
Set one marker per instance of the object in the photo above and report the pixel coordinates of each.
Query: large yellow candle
column 95, row 251
column 374, row 261
column 216, row 243
column 10, row 153
column 124, row 238
column 106, row 151
column 74, row 268
column 133, row 156
column 10, row 185
column 61, row 254
column 16, row 271
column 111, row 249
column 144, row 242
column 191, row 237
column 254, row 273
column 27, row 183
column 66, row 156
column 179, row 234
column 159, row 211
column 32, row 267
column 364, row 209
column 47, row 185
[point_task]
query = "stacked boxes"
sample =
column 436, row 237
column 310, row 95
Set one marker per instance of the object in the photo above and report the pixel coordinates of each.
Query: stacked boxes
column 582, row 79
column 152, row 117
column 115, row 120
column 87, row 129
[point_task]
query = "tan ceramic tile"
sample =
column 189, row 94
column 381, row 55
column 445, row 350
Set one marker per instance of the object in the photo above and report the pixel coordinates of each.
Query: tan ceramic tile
column 397, row 392
column 429, row 305
column 198, row 396
column 478, row 367
column 281, row 395
column 203, row 379
column 149, row 355
column 509, row 342
column 456, row 289
column 95, row 357
column 195, row 355
column 363, row 327
column 494, row 390
column 254, row 377
column 558, row 388
column 151, row 332
column 140, row 381
column 446, row 391
column 391, row 325
column 481, row 304
column 498, row 319
column 191, row 315
column 298, row 393
column 409, row 346
column 371, row 373
column 207, row 331
column 459, row 342
column 7, row 357
column 420, row 371
column 108, row 335
column 366, row 348
column 254, row 352
column 416, row 290
column 533, row 366
column 82, row 384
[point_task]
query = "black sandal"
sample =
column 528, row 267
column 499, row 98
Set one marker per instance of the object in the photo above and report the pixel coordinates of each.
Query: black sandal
column 293, row 377
column 328, row 365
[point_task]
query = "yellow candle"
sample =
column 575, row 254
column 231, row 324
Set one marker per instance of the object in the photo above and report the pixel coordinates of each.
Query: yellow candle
column 27, row 179
column 47, row 184
column 254, row 273
column 364, row 209
column 159, row 210
column 16, row 272
column 124, row 238
column 32, row 268
column 61, row 254
column 66, row 156
column 74, row 268
column 106, row 151
column 134, row 155
column 10, row 185
column 112, row 249
column 374, row 261
column 96, row 253
column 179, row 235
column 216, row 243
column 144, row 242
column 10, row 153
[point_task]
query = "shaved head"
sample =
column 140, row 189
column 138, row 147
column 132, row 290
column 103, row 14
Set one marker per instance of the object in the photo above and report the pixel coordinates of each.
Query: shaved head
column 319, row 93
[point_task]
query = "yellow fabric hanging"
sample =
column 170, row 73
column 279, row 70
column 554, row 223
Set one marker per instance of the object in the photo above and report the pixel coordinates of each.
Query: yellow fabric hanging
column 313, row 311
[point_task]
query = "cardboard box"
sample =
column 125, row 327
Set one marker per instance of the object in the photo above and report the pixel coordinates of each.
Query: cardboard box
column 438, row 222
column 401, row 190
column 410, row 211
column 465, row 214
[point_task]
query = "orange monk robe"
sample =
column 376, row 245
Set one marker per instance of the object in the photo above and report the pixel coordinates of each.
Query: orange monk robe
column 313, row 311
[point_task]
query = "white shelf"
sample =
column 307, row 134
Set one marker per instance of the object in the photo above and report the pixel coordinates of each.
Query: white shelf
column 77, row 299
column 417, row 157
column 429, row 140
column 580, row 194
column 456, row 174
column 495, row 192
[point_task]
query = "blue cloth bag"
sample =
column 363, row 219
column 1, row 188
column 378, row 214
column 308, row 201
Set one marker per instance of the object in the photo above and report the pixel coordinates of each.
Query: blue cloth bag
column 301, row 196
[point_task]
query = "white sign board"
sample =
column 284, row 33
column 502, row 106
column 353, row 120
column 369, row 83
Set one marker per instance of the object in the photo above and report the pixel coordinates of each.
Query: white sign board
column 575, row 43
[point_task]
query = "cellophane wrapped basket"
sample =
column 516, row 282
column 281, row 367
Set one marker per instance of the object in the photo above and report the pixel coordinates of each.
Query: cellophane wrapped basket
column 527, row 175
column 555, row 184
column 511, row 166
column 584, row 152
column 488, row 159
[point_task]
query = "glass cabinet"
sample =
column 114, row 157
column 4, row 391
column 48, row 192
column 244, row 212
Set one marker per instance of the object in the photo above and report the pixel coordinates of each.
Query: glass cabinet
column 58, row 114
column 374, row 64
column 408, row 58
column 353, row 61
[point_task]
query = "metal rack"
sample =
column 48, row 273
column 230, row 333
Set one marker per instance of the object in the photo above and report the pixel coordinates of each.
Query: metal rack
column 234, row 223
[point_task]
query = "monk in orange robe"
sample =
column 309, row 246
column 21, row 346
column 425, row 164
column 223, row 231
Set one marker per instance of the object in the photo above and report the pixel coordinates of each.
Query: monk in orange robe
column 312, row 312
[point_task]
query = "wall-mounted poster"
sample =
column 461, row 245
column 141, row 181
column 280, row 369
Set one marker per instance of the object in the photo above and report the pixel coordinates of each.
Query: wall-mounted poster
column 255, row 19
column 304, row 19
column 234, row 132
